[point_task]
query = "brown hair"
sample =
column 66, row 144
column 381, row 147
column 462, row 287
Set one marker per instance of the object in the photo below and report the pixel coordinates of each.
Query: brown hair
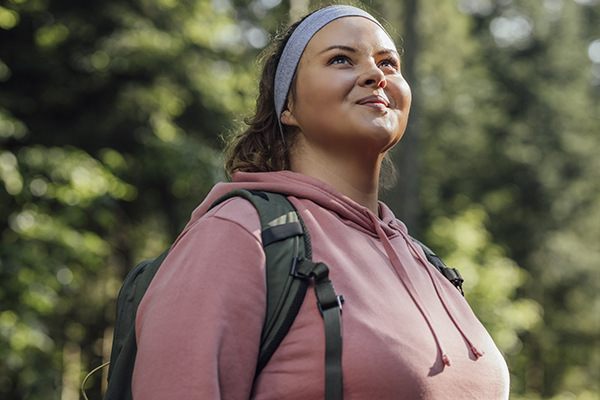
column 260, row 148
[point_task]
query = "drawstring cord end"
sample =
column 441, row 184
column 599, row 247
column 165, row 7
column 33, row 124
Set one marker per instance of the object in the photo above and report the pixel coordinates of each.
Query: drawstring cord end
column 478, row 354
column 446, row 360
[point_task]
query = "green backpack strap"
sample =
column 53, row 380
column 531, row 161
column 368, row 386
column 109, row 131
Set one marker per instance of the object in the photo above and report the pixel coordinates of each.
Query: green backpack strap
column 287, row 247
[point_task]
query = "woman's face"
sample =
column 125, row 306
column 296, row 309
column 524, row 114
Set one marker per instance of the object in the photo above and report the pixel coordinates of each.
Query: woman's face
column 350, row 94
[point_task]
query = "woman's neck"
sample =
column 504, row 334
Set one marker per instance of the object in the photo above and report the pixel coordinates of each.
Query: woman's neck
column 356, row 178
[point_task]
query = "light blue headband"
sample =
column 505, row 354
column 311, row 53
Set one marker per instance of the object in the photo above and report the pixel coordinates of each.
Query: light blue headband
column 297, row 43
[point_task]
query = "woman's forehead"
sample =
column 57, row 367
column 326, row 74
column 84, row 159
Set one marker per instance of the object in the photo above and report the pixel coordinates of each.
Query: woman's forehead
column 350, row 32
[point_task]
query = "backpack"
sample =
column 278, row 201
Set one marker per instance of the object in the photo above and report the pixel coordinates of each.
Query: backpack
column 289, row 270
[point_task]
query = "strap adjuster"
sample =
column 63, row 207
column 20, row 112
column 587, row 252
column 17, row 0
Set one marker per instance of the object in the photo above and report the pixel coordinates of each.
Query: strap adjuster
column 339, row 303
column 296, row 262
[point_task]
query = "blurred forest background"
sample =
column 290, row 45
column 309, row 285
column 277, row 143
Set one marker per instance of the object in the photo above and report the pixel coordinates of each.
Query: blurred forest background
column 111, row 118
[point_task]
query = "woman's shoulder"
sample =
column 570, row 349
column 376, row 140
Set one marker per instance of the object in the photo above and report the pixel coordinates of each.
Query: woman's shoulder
column 233, row 216
column 235, row 209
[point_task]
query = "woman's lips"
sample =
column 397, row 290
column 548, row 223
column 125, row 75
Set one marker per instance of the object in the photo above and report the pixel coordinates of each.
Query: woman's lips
column 374, row 101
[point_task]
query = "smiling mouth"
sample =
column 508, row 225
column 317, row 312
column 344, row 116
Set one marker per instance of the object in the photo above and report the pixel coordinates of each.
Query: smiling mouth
column 374, row 101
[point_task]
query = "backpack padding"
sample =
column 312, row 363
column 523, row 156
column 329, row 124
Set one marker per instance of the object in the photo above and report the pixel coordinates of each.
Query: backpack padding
column 124, row 348
column 285, row 240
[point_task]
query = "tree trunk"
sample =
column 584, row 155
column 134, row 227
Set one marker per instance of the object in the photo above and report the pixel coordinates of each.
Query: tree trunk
column 403, row 199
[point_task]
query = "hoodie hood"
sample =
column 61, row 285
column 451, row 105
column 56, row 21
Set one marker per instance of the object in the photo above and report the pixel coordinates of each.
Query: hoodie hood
column 298, row 185
column 385, row 227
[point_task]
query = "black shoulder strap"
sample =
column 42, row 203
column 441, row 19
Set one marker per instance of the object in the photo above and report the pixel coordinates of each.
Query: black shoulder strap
column 330, row 306
column 286, row 242
column 452, row 274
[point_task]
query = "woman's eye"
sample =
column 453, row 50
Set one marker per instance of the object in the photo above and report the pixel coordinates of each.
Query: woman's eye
column 389, row 63
column 339, row 60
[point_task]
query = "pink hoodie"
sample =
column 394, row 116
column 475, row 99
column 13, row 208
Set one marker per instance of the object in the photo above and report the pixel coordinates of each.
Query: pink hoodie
column 407, row 332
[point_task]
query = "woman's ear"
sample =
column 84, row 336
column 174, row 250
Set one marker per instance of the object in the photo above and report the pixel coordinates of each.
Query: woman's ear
column 287, row 118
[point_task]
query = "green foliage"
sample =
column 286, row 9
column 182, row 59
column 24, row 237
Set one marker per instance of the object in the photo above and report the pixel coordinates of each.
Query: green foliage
column 510, row 127
column 110, row 121
column 111, row 115
column 491, row 278
column 55, row 259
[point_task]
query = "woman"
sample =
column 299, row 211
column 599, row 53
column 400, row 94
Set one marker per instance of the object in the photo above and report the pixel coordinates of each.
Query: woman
column 332, row 102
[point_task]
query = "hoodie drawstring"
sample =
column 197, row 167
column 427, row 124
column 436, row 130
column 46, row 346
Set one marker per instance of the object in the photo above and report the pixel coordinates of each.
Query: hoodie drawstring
column 413, row 292
column 441, row 296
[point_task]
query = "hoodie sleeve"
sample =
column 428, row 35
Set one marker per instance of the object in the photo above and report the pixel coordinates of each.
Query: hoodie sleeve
column 198, row 327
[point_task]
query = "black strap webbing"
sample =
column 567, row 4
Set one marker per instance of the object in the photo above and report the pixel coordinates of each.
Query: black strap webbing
column 330, row 306
column 333, row 351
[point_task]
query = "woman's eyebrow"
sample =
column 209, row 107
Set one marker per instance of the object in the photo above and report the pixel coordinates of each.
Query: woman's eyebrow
column 340, row 47
column 389, row 51
column 353, row 50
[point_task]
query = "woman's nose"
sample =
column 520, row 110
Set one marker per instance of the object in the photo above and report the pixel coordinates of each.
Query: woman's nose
column 373, row 76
